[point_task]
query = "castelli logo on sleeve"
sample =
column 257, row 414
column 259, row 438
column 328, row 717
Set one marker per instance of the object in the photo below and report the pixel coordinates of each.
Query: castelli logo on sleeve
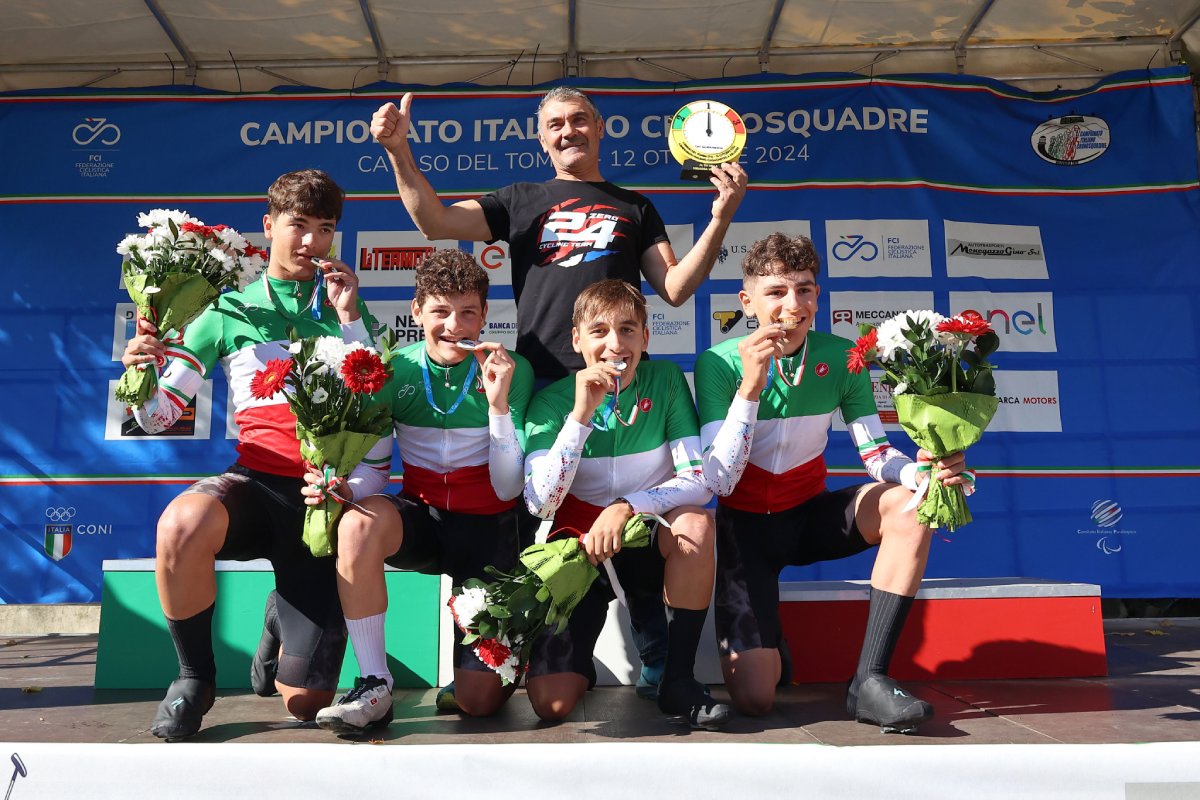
column 822, row 369
column 646, row 405
column 1070, row 140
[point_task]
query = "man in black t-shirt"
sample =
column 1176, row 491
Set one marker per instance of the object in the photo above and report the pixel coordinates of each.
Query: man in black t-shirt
column 567, row 233
column 564, row 235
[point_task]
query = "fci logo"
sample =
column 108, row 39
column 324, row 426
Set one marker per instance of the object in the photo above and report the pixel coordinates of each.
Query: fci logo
column 96, row 128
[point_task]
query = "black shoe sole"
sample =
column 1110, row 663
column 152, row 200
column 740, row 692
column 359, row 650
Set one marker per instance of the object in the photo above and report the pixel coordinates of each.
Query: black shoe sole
column 697, row 725
column 343, row 728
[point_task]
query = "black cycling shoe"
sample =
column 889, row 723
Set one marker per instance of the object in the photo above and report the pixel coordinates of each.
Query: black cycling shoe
column 686, row 701
column 265, row 665
column 181, row 711
column 879, row 700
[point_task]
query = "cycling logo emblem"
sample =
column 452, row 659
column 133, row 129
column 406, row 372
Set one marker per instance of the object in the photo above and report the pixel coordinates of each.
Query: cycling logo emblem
column 1071, row 140
column 96, row 130
column 58, row 532
column 574, row 234
column 855, row 245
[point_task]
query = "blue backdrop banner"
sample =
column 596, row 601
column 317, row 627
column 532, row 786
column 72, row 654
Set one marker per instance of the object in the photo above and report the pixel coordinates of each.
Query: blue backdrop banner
column 1070, row 220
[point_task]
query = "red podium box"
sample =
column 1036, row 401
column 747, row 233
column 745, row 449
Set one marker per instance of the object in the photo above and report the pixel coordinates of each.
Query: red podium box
column 959, row 628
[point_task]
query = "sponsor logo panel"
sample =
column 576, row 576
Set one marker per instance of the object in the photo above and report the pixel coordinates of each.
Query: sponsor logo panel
column 1024, row 321
column 63, row 527
column 985, row 250
column 391, row 258
column 95, row 140
column 848, row 310
column 726, row 318
column 877, row 248
column 741, row 235
column 1071, row 140
column 119, row 424
column 672, row 330
column 495, row 260
column 1108, row 524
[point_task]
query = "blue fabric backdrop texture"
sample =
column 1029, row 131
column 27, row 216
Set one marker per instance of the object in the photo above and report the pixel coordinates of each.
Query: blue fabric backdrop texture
column 1071, row 220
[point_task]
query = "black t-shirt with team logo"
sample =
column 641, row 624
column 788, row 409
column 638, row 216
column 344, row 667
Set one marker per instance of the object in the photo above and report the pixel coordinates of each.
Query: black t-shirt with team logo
column 564, row 236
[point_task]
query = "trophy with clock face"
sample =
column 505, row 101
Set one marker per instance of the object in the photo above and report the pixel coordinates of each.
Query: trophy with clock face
column 705, row 133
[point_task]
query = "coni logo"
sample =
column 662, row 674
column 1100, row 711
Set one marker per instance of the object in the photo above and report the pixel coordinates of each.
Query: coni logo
column 1106, row 513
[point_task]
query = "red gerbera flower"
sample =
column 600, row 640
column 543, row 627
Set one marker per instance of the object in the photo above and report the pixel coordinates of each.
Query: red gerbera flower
column 858, row 357
column 363, row 372
column 970, row 323
column 492, row 652
column 269, row 382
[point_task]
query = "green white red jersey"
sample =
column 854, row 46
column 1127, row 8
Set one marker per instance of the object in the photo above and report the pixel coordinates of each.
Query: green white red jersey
column 768, row 455
column 243, row 331
column 465, row 460
column 574, row 471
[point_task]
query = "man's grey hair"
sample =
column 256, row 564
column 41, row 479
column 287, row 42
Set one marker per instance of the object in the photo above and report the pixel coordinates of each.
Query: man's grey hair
column 562, row 94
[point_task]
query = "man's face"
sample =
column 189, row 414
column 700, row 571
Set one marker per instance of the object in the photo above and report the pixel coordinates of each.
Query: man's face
column 613, row 336
column 570, row 135
column 793, row 295
column 446, row 320
column 295, row 240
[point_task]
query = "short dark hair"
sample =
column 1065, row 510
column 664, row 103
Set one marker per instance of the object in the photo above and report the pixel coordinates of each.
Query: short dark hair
column 563, row 94
column 306, row 193
column 779, row 254
column 609, row 296
column 448, row 273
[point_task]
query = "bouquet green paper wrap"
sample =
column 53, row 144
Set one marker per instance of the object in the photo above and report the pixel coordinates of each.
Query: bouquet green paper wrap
column 341, row 452
column 944, row 424
column 180, row 298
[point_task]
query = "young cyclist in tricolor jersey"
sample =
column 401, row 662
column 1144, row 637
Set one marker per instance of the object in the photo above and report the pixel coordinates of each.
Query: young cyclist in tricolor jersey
column 620, row 438
column 459, row 409
column 255, row 509
column 766, row 402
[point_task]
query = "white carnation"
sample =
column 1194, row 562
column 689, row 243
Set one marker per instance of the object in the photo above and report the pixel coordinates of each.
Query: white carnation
column 332, row 351
column 159, row 218
column 319, row 395
column 468, row 605
column 129, row 244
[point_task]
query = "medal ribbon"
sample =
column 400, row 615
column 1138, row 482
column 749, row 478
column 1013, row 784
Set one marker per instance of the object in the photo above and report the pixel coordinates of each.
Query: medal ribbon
column 461, row 395
column 775, row 366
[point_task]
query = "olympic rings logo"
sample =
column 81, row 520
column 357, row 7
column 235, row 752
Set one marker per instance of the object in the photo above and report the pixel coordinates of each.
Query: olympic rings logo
column 850, row 248
column 60, row 514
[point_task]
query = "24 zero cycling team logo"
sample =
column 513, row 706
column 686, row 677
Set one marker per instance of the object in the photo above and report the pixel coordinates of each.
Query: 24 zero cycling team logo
column 96, row 128
column 575, row 236
column 855, row 244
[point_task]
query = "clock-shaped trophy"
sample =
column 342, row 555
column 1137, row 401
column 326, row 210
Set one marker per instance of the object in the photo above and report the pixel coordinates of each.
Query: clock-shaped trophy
column 705, row 133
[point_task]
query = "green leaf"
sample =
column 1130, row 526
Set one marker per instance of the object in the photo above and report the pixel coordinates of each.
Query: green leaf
column 987, row 344
column 499, row 612
column 469, row 637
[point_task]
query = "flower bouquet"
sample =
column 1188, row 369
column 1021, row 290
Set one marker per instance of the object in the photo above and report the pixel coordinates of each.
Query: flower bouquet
column 943, row 389
column 502, row 620
column 331, row 387
column 174, row 272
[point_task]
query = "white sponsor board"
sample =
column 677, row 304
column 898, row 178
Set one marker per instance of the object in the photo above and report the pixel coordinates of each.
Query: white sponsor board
column 726, row 320
column 124, row 328
column 397, row 315
column 119, row 424
column 1029, row 403
column 741, row 235
column 877, row 248
column 672, row 330
column 495, row 260
column 984, row 250
column 848, row 310
column 682, row 237
column 391, row 258
column 1024, row 321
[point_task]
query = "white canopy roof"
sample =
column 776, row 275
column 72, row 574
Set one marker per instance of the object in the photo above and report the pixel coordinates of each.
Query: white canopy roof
column 253, row 45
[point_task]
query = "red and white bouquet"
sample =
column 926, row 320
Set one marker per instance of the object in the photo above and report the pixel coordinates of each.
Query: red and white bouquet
column 172, row 273
column 333, row 388
column 943, row 389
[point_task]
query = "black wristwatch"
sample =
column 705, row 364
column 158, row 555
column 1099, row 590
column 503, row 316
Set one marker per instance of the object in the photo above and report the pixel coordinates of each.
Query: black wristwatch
column 624, row 500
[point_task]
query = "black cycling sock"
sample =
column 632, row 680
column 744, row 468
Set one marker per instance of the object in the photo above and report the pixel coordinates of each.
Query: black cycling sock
column 684, row 626
column 885, row 621
column 193, row 645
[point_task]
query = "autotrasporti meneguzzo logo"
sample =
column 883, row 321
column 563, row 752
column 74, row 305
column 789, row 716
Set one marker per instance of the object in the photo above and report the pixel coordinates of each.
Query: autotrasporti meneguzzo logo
column 1105, row 515
column 1071, row 140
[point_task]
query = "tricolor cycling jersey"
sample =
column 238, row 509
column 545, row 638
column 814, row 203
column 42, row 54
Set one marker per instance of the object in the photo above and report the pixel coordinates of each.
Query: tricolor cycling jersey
column 244, row 330
column 463, row 460
column 767, row 456
column 573, row 472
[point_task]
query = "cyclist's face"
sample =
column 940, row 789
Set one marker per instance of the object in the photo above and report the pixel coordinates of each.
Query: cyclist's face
column 770, row 298
column 295, row 241
column 445, row 320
